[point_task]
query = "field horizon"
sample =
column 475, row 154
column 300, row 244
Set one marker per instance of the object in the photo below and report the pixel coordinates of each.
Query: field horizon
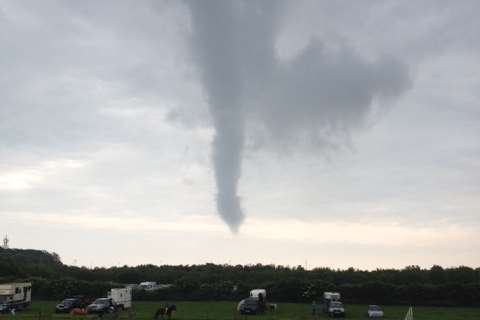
column 226, row 310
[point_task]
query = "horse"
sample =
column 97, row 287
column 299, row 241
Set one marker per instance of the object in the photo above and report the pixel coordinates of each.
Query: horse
column 272, row 307
column 79, row 312
column 165, row 311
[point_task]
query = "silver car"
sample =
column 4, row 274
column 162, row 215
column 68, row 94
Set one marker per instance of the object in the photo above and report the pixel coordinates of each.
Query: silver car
column 374, row 311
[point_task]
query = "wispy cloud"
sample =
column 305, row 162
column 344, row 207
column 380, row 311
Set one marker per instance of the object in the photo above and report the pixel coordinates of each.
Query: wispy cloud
column 18, row 179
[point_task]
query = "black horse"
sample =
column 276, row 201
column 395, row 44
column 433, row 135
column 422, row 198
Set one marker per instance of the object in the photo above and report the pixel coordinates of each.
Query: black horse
column 165, row 311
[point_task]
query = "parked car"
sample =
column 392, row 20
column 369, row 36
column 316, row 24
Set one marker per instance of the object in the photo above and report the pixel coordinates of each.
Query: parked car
column 256, row 303
column 336, row 309
column 328, row 298
column 101, row 305
column 374, row 311
column 68, row 304
column 249, row 306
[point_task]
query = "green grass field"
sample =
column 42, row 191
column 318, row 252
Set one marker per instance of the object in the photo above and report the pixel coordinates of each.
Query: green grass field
column 226, row 310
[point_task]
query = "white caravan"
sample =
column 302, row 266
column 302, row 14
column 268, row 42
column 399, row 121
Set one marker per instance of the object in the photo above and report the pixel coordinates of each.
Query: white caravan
column 15, row 296
column 148, row 286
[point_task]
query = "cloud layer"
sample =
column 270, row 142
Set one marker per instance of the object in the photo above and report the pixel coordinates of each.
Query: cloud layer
column 106, row 117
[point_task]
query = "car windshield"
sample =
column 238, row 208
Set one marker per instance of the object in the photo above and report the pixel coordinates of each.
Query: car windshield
column 374, row 308
column 101, row 301
column 336, row 304
column 68, row 301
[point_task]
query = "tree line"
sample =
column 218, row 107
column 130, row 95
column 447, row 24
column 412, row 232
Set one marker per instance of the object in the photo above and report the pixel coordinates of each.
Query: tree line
column 411, row 285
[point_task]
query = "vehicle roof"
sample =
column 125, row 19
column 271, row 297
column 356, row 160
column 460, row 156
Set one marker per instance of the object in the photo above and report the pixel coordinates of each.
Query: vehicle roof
column 250, row 300
column 16, row 284
column 331, row 295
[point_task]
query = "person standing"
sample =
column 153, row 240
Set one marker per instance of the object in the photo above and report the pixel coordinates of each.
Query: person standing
column 313, row 310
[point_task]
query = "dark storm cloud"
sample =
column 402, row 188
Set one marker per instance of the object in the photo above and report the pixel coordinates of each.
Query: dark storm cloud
column 228, row 54
column 317, row 94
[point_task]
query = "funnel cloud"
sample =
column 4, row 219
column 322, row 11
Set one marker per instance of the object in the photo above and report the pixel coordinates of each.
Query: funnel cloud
column 314, row 98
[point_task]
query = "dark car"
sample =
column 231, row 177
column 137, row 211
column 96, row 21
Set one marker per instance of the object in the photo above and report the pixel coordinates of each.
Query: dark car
column 249, row 306
column 4, row 308
column 101, row 305
column 68, row 305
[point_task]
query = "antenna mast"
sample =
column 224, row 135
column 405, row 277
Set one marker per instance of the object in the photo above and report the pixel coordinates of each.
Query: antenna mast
column 5, row 242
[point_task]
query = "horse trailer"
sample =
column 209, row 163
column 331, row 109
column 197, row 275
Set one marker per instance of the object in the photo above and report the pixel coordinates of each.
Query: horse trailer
column 121, row 297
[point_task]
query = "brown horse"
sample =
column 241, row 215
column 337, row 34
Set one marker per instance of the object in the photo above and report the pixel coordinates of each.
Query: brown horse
column 165, row 311
column 79, row 312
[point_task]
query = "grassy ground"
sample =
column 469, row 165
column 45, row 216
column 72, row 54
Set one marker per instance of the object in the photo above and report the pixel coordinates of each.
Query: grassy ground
column 43, row 310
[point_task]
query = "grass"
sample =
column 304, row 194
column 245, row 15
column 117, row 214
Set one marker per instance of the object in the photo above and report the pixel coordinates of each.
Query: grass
column 43, row 310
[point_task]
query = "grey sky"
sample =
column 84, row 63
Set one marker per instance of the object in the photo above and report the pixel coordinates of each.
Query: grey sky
column 106, row 129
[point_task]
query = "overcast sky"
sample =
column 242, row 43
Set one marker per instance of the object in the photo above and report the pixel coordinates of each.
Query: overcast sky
column 300, row 132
